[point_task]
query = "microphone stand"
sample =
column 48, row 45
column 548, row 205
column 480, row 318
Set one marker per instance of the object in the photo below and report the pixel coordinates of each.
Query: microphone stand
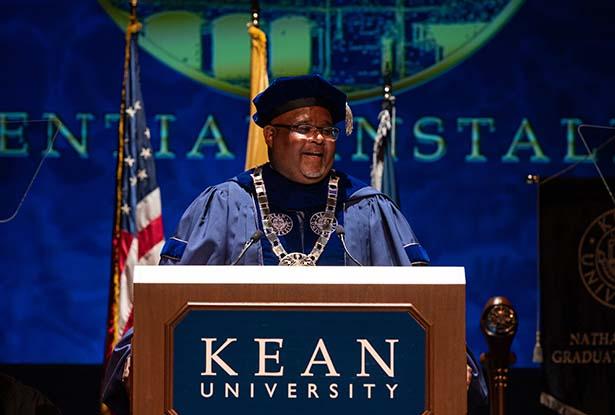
column 258, row 234
column 339, row 231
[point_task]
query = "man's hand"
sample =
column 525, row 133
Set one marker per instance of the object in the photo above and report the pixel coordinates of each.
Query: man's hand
column 468, row 376
column 127, row 376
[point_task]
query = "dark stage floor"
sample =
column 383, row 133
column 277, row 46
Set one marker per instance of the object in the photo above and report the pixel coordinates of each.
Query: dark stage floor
column 75, row 388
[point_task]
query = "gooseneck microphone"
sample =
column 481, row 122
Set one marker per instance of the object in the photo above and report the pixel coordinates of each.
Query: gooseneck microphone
column 258, row 234
column 339, row 230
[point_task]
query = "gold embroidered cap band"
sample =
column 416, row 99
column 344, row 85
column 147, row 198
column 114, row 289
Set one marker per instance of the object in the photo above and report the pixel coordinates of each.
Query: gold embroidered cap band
column 296, row 258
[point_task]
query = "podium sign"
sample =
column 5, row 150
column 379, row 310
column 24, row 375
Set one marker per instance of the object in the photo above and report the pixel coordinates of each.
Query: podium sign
column 324, row 340
column 306, row 360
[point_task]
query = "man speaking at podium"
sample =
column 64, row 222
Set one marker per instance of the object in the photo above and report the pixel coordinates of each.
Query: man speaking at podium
column 286, row 212
column 297, row 201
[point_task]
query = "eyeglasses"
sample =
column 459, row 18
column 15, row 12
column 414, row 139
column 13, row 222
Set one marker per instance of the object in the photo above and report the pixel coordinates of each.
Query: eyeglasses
column 307, row 130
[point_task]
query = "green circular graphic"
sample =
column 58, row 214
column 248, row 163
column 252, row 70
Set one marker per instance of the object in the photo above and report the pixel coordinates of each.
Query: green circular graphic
column 351, row 43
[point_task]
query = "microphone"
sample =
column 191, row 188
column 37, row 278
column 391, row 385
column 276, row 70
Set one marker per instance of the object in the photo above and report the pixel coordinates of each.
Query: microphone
column 339, row 230
column 258, row 234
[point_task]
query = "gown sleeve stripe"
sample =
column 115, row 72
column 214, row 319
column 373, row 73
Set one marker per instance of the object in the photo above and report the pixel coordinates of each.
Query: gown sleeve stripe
column 416, row 254
column 173, row 249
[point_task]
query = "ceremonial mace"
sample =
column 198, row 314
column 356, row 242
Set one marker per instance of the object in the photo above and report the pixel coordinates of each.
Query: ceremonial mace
column 499, row 324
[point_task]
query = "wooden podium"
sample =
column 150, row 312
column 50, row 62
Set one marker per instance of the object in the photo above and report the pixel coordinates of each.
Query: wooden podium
column 216, row 339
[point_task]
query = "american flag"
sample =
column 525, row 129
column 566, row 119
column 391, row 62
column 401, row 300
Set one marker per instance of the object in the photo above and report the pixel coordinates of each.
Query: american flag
column 138, row 233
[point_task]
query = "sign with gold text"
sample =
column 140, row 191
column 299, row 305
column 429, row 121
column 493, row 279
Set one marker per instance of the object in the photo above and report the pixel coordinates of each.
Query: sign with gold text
column 577, row 263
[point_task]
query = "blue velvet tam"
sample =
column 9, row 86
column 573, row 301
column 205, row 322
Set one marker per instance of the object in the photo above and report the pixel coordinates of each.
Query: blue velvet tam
column 289, row 93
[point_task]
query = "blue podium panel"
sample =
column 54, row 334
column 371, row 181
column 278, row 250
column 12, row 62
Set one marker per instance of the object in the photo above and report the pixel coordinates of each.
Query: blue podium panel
column 307, row 359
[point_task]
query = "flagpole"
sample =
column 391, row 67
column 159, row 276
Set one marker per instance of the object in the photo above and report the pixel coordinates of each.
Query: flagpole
column 113, row 313
column 256, row 150
column 390, row 100
column 387, row 88
column 133, row 11
column 537, row 356
column 383, row 170
column 255, row 13
column 389, row 184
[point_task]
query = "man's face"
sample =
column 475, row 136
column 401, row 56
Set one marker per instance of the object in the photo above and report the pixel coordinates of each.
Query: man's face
column 299, row 158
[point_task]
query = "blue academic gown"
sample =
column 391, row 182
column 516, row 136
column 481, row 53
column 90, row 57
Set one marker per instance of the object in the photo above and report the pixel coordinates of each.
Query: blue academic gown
column 215, row 227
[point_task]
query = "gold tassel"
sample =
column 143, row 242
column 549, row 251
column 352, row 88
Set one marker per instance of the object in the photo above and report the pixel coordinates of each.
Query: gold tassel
column 349, row 120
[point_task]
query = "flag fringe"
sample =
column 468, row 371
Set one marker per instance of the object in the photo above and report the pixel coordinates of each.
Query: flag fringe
column 537, row 353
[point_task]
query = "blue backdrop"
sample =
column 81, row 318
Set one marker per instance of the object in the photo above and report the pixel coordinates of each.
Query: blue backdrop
column 541, row 70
